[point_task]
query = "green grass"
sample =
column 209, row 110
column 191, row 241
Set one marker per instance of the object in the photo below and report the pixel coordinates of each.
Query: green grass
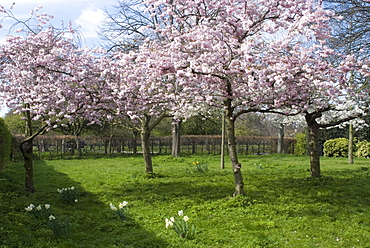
column 283, row 206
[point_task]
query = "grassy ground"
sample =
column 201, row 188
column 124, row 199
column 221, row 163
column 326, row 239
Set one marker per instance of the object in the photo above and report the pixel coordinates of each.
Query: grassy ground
column 284, row 207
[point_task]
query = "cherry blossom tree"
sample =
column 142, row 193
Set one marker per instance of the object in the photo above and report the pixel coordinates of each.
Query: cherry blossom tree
column 248, row 56
column 141, row 91
column 45, row 76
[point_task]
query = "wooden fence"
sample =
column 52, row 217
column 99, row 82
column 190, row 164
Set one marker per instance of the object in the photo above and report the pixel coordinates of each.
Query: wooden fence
column 47, row 146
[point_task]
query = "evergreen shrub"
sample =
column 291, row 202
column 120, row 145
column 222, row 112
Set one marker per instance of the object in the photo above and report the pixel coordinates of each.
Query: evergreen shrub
column 363, row 149
column 336, row 147
column 5, row 144
column 301, row 144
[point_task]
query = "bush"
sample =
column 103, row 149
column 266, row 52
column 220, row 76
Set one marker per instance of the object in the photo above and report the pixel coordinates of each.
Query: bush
column 301, row 145
column 363, row 149
column 5, row 144
column 336, row 147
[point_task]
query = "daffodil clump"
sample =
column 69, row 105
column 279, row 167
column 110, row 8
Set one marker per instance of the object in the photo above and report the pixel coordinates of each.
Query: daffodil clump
column 39, row 211
column 121, row 211
column 197, row 167
column 60, row 226
column 181, row 225
column 69, row 195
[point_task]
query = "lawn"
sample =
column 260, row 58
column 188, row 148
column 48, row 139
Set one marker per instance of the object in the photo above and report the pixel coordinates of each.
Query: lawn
column 283, row 206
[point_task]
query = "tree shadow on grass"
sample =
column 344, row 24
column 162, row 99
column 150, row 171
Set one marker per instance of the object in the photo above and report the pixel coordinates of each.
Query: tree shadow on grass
column 167, row 191
column 341, row 192
column 196, row 188
column 93, row 224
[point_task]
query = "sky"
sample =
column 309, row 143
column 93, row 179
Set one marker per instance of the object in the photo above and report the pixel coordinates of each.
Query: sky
column 86, row 15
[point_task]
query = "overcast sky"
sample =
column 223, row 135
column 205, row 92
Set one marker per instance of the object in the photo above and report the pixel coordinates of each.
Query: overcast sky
column 85, row 14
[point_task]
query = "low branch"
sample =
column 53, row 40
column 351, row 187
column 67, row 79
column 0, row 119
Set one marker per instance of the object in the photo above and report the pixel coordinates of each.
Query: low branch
column 332, row 124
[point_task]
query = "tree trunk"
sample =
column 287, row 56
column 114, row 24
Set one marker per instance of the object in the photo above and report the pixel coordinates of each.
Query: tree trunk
column 63, row 145
column 145, row 144
column 280, row 148
column 78, row 146
column 236, row 166
column 313, row 133
column 350, row 145
column 134, row 141
column 26, row 148
column 176, row 138
column 27, row 152
column 223, row 134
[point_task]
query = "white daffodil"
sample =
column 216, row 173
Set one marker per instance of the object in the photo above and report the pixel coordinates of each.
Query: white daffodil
column 47, row 206
column 168, row 223
column 123, row 204
column 180, row 213
column 186, row 218
column 29, row 209
column 51, row 217
column 39, row 207
column 112, row 207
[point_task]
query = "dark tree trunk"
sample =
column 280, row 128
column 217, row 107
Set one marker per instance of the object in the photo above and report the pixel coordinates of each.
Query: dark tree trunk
column 26, row 147
column 27, row 152
column 313, row 134
column 176, row 138
column 134, row 142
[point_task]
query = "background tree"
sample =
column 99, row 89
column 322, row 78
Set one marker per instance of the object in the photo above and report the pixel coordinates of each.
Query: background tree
column 351, row 36
column 75, row 129
column 16, row 124
column 202, row 125
column 125, row 28
column 141, row 92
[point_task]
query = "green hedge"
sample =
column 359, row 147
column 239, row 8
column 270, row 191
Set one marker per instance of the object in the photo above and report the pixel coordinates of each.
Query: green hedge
column 336, row 147
column 5, row 144
column 363, row 149
column 301, row 145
